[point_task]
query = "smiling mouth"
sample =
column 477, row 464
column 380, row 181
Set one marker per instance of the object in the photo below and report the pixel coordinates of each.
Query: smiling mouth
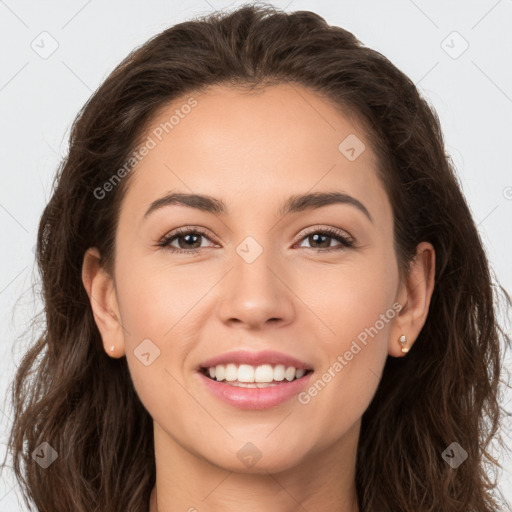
column 247, row 376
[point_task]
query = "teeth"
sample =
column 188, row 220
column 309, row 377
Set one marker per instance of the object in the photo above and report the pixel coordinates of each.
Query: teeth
column 279, row 372
column 231, row 372
column 289, row 374
column 264, row 373
column 244, row 374
column 220, row 372
column 300, row 373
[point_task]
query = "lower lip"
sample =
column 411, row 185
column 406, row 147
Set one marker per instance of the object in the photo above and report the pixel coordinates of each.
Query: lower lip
column 256, row 398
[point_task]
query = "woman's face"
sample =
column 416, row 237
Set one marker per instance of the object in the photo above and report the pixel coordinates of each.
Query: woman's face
column 257, row 279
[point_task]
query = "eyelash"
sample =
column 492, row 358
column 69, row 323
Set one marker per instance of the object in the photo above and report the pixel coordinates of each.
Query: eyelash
column 346, row 242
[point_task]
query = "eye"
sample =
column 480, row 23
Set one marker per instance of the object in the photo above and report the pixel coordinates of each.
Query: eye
column 324, row 236
column 189, row 240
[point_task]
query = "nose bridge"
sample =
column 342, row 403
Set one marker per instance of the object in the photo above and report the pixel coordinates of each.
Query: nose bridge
column 255, row 292
column 254, row 264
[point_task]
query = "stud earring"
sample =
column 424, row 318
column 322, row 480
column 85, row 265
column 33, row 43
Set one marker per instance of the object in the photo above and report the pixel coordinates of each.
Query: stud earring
column 112, row 348
column 403, row 341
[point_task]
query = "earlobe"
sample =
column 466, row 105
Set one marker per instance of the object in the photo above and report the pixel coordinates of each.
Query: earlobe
column 102, row 297
column 415, row 295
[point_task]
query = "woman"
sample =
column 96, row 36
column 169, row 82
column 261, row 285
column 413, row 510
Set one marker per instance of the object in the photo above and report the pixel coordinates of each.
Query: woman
column 202, row 352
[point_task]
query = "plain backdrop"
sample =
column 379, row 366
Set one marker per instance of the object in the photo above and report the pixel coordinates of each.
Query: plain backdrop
column 54, row 54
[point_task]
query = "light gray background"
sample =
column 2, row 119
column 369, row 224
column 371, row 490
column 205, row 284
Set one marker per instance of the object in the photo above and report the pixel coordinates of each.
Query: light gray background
column 39, row 98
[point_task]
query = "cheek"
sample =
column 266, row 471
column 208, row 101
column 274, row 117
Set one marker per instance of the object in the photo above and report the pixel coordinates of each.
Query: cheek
column 158, row 300
column 159, row 309
column 346, row 383
column 357, row 307
column 351, row 295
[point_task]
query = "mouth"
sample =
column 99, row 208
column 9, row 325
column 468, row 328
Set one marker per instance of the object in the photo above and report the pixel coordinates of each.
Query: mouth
column 250, row 376
column 254, row 380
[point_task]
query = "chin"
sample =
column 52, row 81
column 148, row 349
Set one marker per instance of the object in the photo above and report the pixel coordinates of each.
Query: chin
column 258, row 457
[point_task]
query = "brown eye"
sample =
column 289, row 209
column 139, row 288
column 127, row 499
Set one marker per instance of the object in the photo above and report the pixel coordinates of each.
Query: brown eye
column 321, row 240
column 189, row 240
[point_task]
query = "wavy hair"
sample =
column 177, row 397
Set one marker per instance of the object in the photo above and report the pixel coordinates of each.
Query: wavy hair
column 69, row 393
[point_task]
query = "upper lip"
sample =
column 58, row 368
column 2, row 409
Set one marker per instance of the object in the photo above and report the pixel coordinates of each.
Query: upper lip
column 256, row 358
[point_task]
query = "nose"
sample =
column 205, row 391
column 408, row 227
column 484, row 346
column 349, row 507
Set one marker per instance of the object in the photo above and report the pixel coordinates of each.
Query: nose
column 256, row 294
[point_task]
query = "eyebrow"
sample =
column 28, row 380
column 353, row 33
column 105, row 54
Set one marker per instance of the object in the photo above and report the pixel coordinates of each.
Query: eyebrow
column 294, row 204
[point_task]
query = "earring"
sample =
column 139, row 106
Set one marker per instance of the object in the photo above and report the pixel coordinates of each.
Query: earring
column 403, row 341
column 112, row 348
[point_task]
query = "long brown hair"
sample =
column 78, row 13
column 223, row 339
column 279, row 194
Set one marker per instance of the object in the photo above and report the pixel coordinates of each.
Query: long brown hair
column 68, row 393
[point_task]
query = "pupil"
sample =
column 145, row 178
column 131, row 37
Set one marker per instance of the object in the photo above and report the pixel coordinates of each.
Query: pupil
column 187, row 238
column 319, row 235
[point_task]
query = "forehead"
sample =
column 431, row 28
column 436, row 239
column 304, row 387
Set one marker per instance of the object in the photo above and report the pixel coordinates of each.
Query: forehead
column 241, row 147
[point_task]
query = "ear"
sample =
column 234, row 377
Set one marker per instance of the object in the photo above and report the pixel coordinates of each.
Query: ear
column 414, row 296
column 102, row 296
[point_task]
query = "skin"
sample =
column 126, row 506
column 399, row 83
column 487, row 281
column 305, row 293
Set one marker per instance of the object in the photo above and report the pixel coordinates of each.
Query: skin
column 253, row 152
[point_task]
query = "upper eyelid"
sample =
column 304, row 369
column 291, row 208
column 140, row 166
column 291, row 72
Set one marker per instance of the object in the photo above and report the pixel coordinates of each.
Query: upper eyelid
column 314, row 229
